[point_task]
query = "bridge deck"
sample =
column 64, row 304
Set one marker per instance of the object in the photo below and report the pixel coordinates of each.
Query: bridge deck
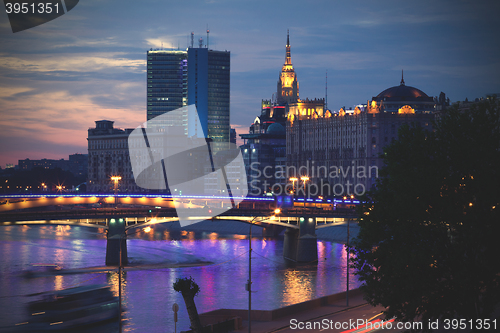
column 99, row 217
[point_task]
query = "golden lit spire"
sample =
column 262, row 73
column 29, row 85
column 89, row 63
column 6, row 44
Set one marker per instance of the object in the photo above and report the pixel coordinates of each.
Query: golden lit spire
column 288, row 58
column 288, row 86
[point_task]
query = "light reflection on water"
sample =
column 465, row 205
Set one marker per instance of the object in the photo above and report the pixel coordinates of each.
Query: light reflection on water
column 147, row 290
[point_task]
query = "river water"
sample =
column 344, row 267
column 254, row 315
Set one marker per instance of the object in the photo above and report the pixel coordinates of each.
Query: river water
column 148, row 295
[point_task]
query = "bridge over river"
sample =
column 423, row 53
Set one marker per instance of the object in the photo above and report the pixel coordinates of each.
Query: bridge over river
column 118, row 214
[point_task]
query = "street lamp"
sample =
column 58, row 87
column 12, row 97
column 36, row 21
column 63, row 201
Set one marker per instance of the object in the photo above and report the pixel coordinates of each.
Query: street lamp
column 347, row 268
column 293, row 180
column 122, row 236
column 115, row 180
column 249, row 284
column 304, row 179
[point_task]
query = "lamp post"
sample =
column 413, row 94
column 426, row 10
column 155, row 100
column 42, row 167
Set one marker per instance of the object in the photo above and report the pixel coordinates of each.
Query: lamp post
column 304, row 179
column 347, row 264
column 249, row 284
column 115, row 180
column 293, row 179
column 122, row 236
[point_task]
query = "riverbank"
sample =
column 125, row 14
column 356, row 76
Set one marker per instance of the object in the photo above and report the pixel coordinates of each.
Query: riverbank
column 273, row 320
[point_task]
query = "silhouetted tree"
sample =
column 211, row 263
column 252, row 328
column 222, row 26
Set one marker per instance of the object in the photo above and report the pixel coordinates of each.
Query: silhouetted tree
column 428, row 246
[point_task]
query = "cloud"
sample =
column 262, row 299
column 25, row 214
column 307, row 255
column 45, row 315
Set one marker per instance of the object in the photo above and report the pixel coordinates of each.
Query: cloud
column 61, row 63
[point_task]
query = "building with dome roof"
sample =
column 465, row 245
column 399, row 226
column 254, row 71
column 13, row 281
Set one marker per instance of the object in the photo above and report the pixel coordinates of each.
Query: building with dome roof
column 401, row 97
column 340, row 151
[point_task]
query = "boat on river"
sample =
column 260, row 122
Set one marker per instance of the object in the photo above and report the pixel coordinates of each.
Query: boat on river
column 73, row 309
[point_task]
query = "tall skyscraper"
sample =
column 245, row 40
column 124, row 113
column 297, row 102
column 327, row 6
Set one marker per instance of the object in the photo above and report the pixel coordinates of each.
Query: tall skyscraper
column 208, row 89
column 197, row 76
column 167, row 84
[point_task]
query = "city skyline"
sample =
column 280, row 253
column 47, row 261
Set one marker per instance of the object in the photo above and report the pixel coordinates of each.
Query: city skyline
column 58, row 78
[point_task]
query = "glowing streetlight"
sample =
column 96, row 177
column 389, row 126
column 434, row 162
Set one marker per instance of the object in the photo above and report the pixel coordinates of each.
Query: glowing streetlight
column 293, row 180
column 115, row 180
column 304, row 179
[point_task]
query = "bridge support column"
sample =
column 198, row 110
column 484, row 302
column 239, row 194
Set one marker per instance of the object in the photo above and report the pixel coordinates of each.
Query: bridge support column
column 272, row 230
column 116, row 236
column 290, row 244
column 301, row 245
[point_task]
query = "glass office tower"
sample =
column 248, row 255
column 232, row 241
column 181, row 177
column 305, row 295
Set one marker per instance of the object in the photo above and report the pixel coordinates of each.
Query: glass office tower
column 208, row 89
column 197, row 76
column 167, row 84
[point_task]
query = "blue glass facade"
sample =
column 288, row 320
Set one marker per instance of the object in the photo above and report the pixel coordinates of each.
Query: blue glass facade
column 166, row 83
column 208, row 89
column 197, row 76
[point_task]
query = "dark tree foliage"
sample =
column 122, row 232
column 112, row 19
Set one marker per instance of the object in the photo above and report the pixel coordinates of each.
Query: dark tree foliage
column 428, row 244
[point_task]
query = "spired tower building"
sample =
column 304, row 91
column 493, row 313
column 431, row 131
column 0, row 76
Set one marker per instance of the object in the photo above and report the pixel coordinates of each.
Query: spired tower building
column 288, row 85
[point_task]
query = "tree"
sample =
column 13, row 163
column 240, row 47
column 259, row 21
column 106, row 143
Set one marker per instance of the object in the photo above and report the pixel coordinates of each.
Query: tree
column 189, row 289
column 427, row 246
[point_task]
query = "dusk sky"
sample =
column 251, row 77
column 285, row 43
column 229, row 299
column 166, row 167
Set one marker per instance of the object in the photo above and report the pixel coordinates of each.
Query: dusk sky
column 56, row 79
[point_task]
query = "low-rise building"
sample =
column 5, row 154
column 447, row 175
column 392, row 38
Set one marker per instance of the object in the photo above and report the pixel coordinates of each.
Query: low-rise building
column 109, row 156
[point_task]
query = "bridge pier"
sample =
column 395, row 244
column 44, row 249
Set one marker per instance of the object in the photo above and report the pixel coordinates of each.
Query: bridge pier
column 116, row 236
column 301, row 245
column 272, row 230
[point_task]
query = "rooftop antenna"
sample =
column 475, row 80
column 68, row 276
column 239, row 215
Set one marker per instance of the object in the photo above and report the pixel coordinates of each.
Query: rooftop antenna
column 192, row 39
column 200, row 42
column 402, row 80
column 326, row 91
column 208, row 31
